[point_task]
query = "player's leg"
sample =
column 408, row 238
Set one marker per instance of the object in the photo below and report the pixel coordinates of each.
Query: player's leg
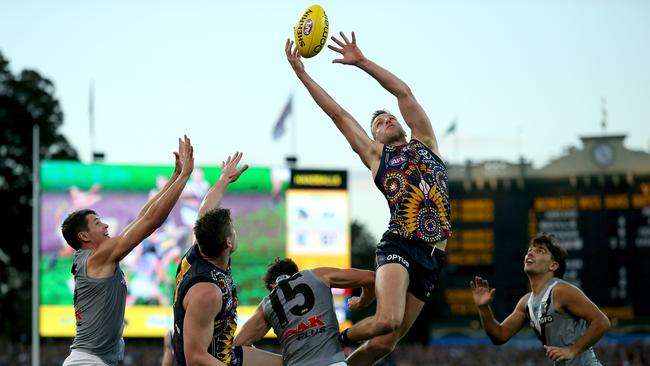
column 254, row 357
column 391, row 284
column 378, row 347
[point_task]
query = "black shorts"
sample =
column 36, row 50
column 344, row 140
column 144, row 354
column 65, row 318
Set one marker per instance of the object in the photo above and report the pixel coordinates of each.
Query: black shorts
column 423, row 262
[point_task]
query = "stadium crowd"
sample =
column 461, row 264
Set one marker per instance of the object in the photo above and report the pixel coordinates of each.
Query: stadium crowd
column 148, row 352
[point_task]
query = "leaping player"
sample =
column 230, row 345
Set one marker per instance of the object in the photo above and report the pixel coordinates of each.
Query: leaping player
column 413, row 178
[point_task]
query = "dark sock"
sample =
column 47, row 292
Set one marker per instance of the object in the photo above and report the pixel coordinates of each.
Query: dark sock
column 343, row 338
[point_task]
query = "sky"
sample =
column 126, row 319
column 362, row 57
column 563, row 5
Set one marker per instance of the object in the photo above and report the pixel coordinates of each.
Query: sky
column 521, row 78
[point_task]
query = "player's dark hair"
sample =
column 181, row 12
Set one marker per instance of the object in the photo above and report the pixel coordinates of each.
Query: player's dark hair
column 277, row 268
column 558, row 253
column 212, row 230
column 376, row 113
column 73, row 225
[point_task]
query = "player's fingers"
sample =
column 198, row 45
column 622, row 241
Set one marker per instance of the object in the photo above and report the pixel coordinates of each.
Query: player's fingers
column 354, row 38
column 287, row 47
column 347, row 41
column 335, row 49
column 188, row 142
column 336, row 40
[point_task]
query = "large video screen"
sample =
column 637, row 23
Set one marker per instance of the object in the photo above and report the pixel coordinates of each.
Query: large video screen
column 116, row 193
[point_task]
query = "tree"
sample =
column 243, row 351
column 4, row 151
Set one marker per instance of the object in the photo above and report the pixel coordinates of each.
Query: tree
column 26, row 99
column 363, row 257
column 363, row 247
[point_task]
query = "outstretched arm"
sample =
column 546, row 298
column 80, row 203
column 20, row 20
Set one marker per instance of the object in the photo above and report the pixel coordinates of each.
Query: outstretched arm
column 156, row 197
column 229, row 174
column 499, row 333
column 571, row 300
column 254, row 329
column 411, row 110
column 106, row 256
column 368, row 150
column 350, row 278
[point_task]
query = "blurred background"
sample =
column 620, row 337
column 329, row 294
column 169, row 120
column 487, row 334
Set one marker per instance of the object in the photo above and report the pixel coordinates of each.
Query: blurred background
column 540, row 109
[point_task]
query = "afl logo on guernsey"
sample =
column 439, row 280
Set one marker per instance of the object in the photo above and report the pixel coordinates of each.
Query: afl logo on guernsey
column 309, row 24
column 398, row 160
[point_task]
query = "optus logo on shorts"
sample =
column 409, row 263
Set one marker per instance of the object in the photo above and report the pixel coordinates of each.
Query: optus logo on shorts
column 397, row 258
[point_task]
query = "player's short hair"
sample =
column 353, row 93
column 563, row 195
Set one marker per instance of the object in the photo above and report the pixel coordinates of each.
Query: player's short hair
column 376, row 113
column 277, row 268
column 75, row 223
column 558, row 254
column 212, row 230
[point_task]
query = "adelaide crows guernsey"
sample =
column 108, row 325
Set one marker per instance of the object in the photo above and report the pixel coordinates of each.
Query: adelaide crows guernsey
column 192, row 270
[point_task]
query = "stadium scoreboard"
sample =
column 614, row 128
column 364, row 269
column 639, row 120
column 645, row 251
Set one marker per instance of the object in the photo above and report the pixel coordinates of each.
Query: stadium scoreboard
column 602, row 221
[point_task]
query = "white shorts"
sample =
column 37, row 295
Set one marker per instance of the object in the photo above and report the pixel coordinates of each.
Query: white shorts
column 342, row 363
column 80, row 358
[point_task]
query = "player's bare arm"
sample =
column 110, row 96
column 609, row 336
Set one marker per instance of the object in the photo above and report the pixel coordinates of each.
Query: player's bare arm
column 350, row 278
column 413, row 113
column 498, row 333
column 255, row 329
column 103, row 260
column 229, row 174
column 368, row 150
column 570, row 299
column 202, row 304
column 175, row 174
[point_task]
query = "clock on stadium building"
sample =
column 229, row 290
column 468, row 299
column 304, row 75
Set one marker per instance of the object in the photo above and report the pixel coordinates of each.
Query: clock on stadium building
column 602, row 154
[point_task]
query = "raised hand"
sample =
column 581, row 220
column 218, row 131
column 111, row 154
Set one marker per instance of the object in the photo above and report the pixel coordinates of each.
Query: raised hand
column 229, row 170
column 351, row 53
column 481, row 292
column 293, row 56
column 177, row 160
column 185, row 156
